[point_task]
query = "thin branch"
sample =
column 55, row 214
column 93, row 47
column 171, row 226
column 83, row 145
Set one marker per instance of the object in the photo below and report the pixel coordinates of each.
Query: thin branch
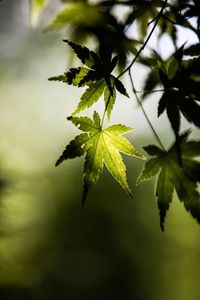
column 147, row 39
column 149, row 92
column 169, row 20
column 144, row 112
column 153, row 20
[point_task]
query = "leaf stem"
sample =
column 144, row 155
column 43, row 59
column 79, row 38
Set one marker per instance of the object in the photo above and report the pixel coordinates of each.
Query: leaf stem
column 104, row 114
column 103, row 117
column 144, row 112
column 146, row 41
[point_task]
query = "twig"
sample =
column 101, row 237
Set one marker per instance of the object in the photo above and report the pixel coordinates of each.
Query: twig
column 147, row 39
column 169, row 20
column 144, row 112
column 154, row 19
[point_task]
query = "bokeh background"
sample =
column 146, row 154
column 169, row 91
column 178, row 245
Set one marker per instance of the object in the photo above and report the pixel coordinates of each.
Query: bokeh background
column 50, row 247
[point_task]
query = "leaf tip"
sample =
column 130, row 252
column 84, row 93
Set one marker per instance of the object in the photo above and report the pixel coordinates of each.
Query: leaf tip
column 162, row 227
column 138, row 181
column 84, row 195
column 83, row 201
column 129, row 192
column 66, row 41
column 57, row 163
column 131, row 195
column 162, row 222
column 162, row 219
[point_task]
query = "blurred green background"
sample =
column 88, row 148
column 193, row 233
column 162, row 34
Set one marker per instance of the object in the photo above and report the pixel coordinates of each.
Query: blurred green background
column 51, row 247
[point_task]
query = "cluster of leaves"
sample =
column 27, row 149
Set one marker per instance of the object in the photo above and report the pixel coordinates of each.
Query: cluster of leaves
column 96, row 76
column 100, row 145
column 180, row 13
column 178, row 76
column 180, row 79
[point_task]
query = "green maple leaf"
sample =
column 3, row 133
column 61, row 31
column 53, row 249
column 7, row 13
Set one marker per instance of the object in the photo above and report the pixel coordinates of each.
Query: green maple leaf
column 91, row 95
column 102, row 146
column 96, row 76
column 174, row 177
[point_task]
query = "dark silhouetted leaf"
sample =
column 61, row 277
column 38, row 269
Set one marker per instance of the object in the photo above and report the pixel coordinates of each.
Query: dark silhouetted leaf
column 109, row 98
column 87, row 57
column 174, row 177
column 120, row 87
column 191, row 110
column 97, row 77
column 193, row 50
column 150, row 82
column 74, row 76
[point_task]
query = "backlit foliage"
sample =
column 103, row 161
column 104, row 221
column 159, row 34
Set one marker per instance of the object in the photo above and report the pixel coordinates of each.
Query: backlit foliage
column 177, row 78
